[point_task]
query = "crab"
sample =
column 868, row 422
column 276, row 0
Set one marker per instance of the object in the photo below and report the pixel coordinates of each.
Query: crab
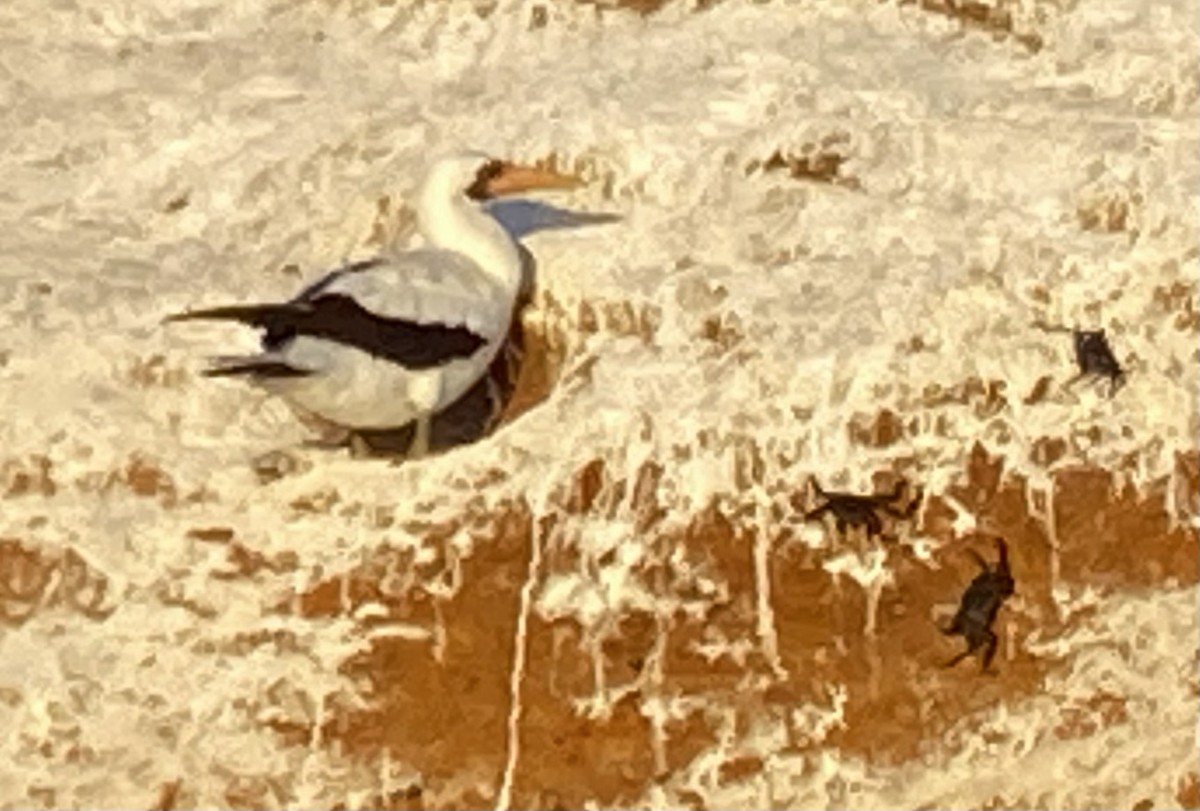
column 1093, row 356
column 979, row 605
column 849, row 509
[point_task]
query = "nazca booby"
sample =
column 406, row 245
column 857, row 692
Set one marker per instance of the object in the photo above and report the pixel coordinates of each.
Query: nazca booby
column 377, row 344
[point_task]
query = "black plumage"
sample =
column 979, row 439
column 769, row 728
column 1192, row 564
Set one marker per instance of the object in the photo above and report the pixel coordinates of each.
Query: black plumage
column 339, row 318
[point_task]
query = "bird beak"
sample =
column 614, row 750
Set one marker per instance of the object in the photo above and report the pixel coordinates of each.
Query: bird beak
column 514, row 178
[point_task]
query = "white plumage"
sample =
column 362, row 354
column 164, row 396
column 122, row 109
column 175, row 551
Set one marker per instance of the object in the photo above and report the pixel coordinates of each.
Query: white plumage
column 356, row 389
column 376, row 345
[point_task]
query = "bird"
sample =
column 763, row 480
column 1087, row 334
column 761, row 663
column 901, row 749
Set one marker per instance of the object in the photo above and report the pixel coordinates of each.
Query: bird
column 384, row 342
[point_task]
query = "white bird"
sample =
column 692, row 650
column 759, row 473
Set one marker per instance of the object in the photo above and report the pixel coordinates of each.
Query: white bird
column 378, row 344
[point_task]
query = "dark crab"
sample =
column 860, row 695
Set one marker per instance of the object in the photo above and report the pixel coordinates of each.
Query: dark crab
column 850, row 509
column 980, row 603
column 1093, row 356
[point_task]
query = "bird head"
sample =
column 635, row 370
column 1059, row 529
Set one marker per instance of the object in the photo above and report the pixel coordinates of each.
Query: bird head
column 481, row 177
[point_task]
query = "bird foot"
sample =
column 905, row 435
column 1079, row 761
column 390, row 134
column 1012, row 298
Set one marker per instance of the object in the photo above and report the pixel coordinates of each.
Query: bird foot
column 419, row 447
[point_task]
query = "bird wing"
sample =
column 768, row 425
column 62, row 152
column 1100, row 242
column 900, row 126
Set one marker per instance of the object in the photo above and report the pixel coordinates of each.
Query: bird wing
column 419, row 310
column 427, row 287
column 339, row 318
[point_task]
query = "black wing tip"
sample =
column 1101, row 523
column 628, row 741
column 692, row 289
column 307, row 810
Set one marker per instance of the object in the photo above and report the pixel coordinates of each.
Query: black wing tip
column 209, row 314
column 257, row 369
column 415, row 345
column 246, row 313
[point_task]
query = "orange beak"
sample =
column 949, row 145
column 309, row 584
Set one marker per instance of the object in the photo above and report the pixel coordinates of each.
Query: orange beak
column 514, row 178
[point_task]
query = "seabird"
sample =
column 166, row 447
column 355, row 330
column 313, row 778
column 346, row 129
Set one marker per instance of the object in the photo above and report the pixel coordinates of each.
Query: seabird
column 377, row 344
